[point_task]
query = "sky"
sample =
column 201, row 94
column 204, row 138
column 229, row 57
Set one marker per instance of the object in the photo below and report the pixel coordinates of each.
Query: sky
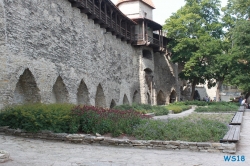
column 164, row 8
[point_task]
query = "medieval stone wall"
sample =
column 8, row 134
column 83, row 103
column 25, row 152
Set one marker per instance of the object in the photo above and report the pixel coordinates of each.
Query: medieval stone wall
column 53, row 53
column 50, row 52
column 166, row 80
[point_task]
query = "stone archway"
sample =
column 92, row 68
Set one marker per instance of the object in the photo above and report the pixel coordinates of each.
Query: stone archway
column 112, row 104
column 100, row 100
column 125, row 99
column 83, row 94
column 136, row 97
column 172, row 98
column 161, row 99
column 60, row 93
column 26, row 90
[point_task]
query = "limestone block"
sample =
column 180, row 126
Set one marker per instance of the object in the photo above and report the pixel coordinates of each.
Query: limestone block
column 156, row 142
column 176, row 143
column 229, row 151
column 204, row 144
column 4, row 156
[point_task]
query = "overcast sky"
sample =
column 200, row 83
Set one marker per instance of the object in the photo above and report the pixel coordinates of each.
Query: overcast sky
column 164, row 8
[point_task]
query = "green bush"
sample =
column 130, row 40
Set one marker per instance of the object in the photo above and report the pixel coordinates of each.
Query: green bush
column 70, row 119
column 36, row 117
column 100, row 120
column 144, row 108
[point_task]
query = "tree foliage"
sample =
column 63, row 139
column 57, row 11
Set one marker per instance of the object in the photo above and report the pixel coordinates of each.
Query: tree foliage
column 236, row 21
column 240, row 8
column 197, row 32
column 240, row 51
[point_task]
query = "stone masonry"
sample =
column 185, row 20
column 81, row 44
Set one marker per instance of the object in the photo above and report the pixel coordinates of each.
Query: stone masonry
column 52, row 53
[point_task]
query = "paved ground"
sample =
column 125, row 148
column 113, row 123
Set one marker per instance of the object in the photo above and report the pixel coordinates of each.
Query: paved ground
column 182, row 114
column 31, row 152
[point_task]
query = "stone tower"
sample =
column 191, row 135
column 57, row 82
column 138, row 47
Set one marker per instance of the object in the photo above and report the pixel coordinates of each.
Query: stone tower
column 149, row 38
column 136, row 8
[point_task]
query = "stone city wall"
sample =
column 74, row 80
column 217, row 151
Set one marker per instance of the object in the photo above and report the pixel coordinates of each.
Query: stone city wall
column 50, row 52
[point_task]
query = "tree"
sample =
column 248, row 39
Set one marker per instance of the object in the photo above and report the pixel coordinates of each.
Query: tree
column 240, row 50
column 241, row 8
column 235, row 22
column 197, row 32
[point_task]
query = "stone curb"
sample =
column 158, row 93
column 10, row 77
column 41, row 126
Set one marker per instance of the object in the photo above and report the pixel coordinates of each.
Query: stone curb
column 107, row 141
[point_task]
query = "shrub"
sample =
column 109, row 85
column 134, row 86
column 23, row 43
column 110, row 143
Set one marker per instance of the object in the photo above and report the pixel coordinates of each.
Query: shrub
column 100, row 120
column 36, row 117
column 144, row 108
column 70, row 119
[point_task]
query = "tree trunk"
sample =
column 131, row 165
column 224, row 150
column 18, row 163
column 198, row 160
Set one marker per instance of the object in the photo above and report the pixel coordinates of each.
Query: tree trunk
column 193, row 90
column 218, row 98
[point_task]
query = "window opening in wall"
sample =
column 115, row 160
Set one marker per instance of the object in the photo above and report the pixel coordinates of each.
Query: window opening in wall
column 147, row 54
column 26, row 90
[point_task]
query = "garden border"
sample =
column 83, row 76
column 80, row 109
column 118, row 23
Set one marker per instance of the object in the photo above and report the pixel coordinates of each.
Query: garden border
column 88, row 139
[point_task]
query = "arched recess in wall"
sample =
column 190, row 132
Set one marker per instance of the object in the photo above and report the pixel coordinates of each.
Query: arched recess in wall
column 60, row 93
column 125, row 99
column 26, row 90
column 83, row 94
column 100, row 100
column 149, row 78
column 172, row 98
column 147, row 54
column 136, row 97
column 161, row 99
column 149, row 99
column 112, row 104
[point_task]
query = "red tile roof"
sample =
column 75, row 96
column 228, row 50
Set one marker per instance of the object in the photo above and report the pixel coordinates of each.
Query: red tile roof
column 148, row 2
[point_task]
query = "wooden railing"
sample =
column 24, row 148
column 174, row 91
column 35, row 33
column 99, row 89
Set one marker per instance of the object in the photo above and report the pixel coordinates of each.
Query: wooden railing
column 154, row 41
column 114, row 25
